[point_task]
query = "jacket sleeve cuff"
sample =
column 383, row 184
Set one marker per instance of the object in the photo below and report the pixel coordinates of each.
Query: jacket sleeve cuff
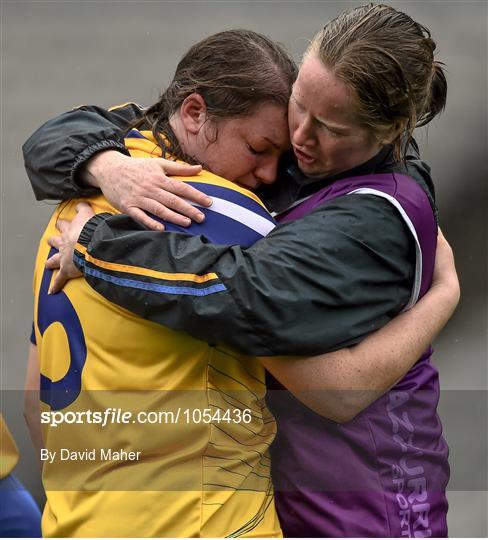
column 89, row 152
column 87, row 232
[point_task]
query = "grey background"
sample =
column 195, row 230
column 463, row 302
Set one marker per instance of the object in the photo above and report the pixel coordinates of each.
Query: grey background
column 57, row 55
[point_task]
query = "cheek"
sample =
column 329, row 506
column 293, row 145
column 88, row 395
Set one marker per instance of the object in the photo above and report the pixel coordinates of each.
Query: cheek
column 293, row 120
column 237, row 164
column 244, row 164
column 330, row 147
column 341, row 146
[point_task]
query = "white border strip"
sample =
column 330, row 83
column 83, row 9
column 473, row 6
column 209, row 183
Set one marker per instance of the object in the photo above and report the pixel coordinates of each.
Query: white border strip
column 418, row 252
column 238, row 213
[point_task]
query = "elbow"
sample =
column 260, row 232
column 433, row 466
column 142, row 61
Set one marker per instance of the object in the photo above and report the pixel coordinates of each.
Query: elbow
column 344, row 407
column 342, row 416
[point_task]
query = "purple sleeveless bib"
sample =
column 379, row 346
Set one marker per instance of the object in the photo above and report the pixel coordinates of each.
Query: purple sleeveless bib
column 384, row 473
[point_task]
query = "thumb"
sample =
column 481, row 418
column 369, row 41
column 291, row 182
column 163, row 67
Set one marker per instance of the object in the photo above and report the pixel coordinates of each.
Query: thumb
column 84, row 207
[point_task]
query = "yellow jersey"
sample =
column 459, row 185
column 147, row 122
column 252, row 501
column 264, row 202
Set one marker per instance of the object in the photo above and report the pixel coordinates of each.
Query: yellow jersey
column 150, row 432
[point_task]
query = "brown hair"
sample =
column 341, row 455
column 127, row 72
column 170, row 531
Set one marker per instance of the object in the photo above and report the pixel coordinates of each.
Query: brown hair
column 387, row 59
column 235, row 72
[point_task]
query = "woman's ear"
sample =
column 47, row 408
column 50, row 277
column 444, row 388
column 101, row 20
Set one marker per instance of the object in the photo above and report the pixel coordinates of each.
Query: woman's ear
column 193, row 113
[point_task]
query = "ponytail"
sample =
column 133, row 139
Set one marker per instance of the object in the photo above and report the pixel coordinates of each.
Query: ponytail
column 438, row 95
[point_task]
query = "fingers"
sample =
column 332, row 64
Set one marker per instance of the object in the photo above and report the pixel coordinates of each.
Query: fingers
column 55, row 241
column 165, row 202
column 58, row 282
column 66, row 272
column 84, row 210
column 141, row 217
column 179, row 169
column 53, row 262
column 142, row 186
column 83, row 206
column 173, row 209
column 167, row 205
column 165, row 212
column 62, row 225
column 182, row 189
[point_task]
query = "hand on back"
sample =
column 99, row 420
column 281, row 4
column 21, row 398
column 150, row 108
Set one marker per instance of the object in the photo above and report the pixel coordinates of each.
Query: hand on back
column 141, row 186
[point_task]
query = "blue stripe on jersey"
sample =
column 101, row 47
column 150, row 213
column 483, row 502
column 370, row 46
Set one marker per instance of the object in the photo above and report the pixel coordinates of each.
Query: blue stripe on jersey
column 217, row 229
column 144, row 285
column 233, row 196
column 134, row 134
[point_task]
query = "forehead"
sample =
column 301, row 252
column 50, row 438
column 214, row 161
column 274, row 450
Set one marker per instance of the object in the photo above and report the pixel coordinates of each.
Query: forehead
column 269, row 121
column 323, row 94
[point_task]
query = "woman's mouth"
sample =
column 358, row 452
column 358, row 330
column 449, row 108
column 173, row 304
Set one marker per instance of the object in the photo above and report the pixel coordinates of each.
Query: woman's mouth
column 302, row 156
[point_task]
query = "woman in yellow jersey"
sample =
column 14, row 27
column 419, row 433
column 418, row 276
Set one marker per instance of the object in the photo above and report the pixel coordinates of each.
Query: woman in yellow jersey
column 202, row 468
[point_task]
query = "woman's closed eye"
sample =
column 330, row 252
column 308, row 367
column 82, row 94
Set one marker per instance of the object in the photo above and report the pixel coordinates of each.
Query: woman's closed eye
column 254, row 150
